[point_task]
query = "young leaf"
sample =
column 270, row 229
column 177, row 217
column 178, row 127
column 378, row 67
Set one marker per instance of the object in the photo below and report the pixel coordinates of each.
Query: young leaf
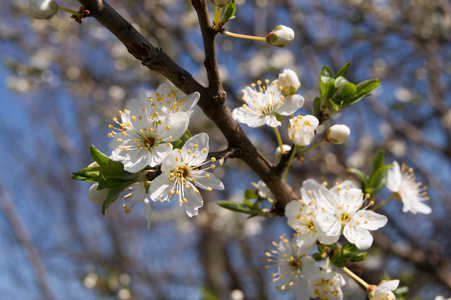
column 316, row 106
column 98, row 156
column 366, row 87
column 229, row 12
column 344, row 70
column 113, row 194
column 235, row 206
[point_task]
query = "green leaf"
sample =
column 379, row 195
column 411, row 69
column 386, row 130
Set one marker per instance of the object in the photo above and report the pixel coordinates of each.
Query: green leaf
column 376, row 179
column 316, row 106
column 378, row 161
column 229, row 12
column 348, row 251
column 366, row 87
column 362, row 176
column 334, row 106
column 178, row 144
column 340, row 81
column 344, row 69
column 235, row 206
column 250, row 194
column 98, row 156
column 87, row 174
column 326, row 81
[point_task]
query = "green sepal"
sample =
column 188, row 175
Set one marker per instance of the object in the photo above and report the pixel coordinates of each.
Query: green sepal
column 348, row 251
column 344, row 70
column 178, row 144
column 229, row 12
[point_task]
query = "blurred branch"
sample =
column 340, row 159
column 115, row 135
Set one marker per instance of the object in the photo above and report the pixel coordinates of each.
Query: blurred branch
column 24, row 239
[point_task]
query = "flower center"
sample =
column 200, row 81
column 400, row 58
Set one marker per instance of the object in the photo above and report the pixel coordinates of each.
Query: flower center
column 345, row 217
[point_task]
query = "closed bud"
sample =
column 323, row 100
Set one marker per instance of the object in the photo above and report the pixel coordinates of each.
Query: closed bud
column 43, row 9
column 281, row 36
column 97, row 196
column 338, row 134
column 219, row 3
column 279, row 152
column 289, row 81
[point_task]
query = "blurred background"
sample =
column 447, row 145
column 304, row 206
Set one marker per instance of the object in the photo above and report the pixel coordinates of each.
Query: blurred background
column 62, row 83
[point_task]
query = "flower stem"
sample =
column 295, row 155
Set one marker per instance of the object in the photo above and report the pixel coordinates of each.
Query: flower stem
column 279, row 139
column 293, row 152
column 243, row 36
column 312, row 147
column 356, row 278
column 374, row 208
column 216, row 19
column 71, row 11
column 327, row 263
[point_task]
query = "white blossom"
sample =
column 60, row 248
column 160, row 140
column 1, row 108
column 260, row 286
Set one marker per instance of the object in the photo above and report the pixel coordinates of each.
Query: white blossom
column 146, row 132
column 401, row 182
column 302, row 129
column 181, row 174
column 327, row 285
column 289, row 82
column 263, row 103
column 293, row 263
column 338, row 134
column 43, row 9
column 384, row 291
column 343, row 212
column 301, row 215
column 281, row 36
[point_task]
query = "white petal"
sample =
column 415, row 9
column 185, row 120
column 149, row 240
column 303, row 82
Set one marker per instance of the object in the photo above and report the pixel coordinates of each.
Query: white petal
column 393, row 178
column 370, row 220
column 177, row 122
column 163, row 90
column 194, row 201
column 205, row 183
column 387, row 286
column 159, row 154
column 319, row 193
column 306, row 239
column 310, row 269
column 201, row 140
column 358, row 236
column 271, row 121
column 136, row 160
column 160, row 188
column 97, row 196
column 188, row 107
column 327, row 224
column 291, row 105
column 300, row 289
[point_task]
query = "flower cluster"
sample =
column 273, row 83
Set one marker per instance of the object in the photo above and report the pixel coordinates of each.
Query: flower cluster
column 143, row 141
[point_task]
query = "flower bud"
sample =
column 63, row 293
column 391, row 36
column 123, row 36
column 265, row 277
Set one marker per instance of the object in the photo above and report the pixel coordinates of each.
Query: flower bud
column 43, row 9
column 219, row 3
column 338, row 134
column 281, row 36
column 302, row 129
column 97, row 196
column 279, row 152
column 289, row 81
column 263, row 190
